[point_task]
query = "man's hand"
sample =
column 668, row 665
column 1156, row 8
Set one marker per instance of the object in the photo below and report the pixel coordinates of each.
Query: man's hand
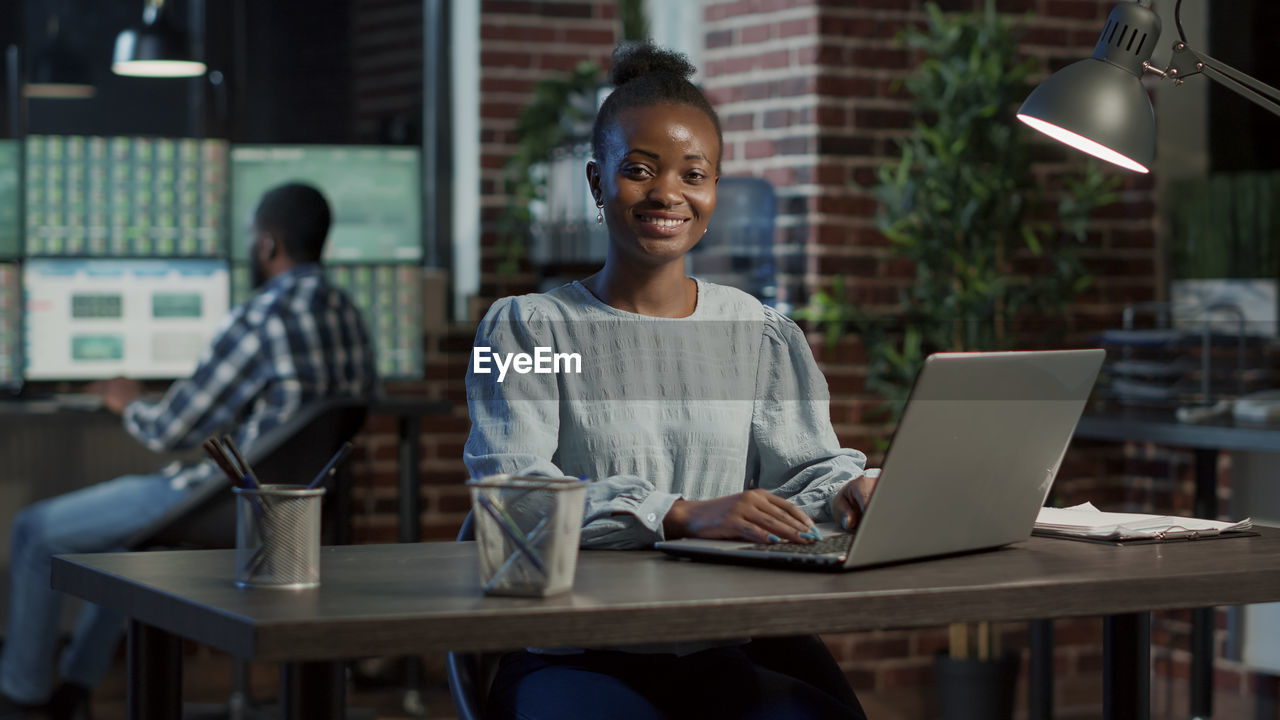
column 849, row 503
column 116, row 393
column 755, row 516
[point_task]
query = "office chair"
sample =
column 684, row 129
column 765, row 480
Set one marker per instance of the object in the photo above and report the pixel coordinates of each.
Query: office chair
column 470, row 674
column 290, row 453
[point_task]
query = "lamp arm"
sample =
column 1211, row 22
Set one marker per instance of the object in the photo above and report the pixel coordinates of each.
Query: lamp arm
column 1187, row 61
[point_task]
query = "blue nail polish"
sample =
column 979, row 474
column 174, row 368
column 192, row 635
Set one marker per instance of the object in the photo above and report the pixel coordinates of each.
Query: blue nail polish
column 815, row 532
column 844, row 522
column 774, row 538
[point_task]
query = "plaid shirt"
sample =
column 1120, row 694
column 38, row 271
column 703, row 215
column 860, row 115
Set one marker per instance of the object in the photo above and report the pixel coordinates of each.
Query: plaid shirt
column 297, row 340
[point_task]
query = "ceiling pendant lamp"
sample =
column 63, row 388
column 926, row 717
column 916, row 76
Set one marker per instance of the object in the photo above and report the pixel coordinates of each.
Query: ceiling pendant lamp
column 156, row 49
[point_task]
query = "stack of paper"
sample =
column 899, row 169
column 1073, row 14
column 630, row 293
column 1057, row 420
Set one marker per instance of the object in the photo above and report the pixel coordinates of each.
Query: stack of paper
column 1087, row 521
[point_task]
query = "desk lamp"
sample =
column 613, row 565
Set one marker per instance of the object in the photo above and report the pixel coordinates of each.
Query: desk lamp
column 157, row 49
column 1098, row 105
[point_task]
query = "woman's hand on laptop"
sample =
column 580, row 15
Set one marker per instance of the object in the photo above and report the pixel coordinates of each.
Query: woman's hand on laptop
column 851, row 501
column 755, row 515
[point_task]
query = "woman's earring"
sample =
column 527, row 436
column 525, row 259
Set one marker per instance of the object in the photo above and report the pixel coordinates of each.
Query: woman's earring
column 600, row 212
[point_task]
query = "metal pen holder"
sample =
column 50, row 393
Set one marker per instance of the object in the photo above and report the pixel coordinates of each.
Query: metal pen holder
column 278, row 536
column 527, row 530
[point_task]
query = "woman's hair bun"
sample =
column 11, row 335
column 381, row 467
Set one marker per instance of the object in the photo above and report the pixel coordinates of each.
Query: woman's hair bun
column 632, row 60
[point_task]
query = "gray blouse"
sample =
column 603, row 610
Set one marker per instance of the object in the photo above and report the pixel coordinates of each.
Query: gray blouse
column 655, row 409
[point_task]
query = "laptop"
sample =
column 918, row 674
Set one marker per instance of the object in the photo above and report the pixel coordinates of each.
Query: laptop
column 969, row 467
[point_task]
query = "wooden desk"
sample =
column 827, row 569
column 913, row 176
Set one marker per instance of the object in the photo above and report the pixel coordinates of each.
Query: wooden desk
column 415, row 598
column 1206, row 440
column 55, row 449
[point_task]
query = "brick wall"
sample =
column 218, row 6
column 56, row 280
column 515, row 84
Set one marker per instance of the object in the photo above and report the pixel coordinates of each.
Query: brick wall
column 805, row 93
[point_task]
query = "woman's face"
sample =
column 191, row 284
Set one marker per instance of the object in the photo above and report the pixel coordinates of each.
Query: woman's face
column 657, row 181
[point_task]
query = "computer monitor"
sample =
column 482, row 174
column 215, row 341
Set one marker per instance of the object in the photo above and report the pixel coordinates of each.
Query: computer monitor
column 390, row 299
column 390, row 296
column 375, row 193
column 125, row 196
column 88, row 318
column 10, row 199
column 10, row 324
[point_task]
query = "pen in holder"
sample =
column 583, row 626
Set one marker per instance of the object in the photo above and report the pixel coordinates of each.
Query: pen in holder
column 277, row 526
column 278, row 536
column 527, row 530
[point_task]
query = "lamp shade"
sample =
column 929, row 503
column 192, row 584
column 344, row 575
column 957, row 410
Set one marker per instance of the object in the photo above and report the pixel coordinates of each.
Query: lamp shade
column 1096, row 108
column 157, row 49
column 1098, row 105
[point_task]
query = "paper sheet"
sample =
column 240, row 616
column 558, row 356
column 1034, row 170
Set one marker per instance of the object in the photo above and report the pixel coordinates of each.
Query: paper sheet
column 1087, row 521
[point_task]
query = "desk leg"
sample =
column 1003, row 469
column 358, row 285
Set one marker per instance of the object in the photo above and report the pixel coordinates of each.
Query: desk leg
column 1040, row 673
column 155, row 673
column 1202, row 619
column 313, row 691
column 410, row 506
column 409, row 498
column 1126, row 673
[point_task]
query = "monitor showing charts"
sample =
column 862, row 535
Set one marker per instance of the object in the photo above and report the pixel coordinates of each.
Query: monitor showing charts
column 10, row 324
column 89, row 196
column 10, row 198
column 390, row 300
column 90, row 318
column 375, row 193
column 390, row 296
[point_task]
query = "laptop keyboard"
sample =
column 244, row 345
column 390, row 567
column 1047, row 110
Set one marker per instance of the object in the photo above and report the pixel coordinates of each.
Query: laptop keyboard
column 833, row 544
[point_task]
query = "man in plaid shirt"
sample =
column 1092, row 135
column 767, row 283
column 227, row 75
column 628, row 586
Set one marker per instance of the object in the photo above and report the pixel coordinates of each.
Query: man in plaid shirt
column 297, row 340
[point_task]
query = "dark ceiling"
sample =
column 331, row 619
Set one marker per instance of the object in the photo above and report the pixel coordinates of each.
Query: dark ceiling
column 279, row 70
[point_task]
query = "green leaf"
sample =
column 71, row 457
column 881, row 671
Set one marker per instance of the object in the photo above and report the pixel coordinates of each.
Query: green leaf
column 1033, row 242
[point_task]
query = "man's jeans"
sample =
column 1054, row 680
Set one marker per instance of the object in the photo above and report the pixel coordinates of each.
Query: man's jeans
column 98, row 518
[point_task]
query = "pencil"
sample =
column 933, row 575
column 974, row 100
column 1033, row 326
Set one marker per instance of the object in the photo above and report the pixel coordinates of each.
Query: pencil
column 215, row 452
column 332, row 466
column 512, row 532
column 250, row 478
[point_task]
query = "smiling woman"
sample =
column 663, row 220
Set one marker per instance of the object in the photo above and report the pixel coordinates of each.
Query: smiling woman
column 698, row 412
column 656, row 181
column 657, row 146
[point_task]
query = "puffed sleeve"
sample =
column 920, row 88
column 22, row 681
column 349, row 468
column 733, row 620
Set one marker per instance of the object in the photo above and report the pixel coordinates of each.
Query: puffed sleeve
column 794, row 451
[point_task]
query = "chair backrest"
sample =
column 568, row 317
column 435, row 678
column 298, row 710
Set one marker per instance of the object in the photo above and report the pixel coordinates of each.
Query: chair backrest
column 292, row 452
column 468, row 529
